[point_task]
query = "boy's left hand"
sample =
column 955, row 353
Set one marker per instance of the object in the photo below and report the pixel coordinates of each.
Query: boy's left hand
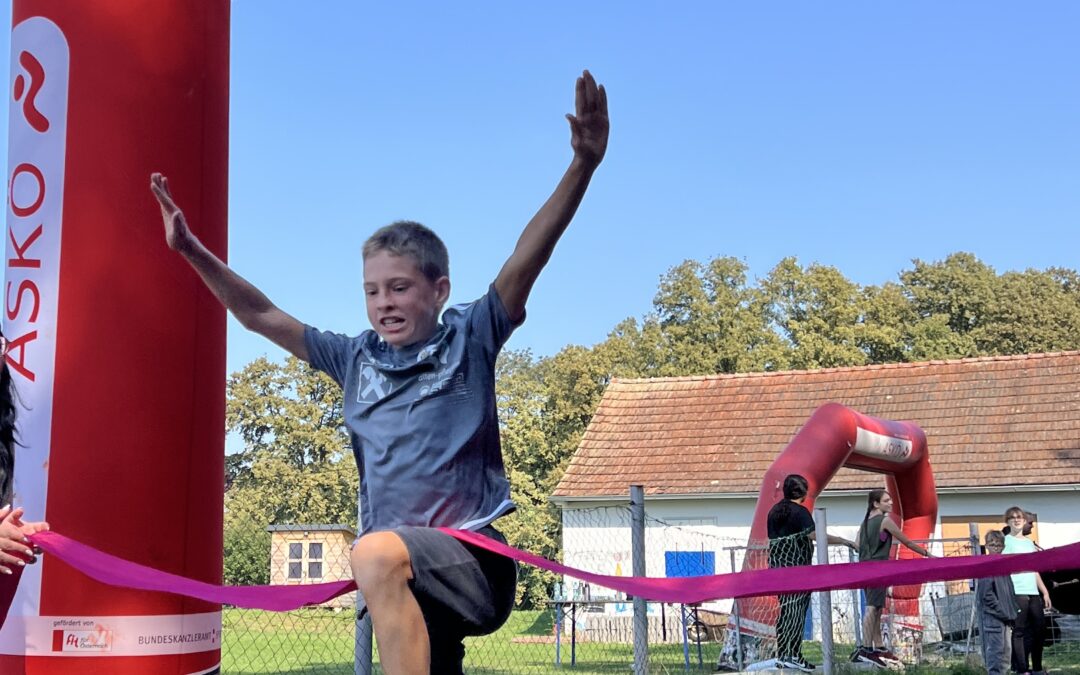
column 589, row 124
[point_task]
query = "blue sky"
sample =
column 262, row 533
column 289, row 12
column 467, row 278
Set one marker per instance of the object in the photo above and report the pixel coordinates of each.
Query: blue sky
column 859, row 135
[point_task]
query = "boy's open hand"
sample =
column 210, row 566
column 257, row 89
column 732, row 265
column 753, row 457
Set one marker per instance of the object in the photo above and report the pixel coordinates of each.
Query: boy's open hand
column 589, row 123
column 177, row 234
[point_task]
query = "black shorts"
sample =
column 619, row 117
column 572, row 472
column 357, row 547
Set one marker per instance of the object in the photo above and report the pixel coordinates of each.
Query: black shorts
column 462, row 590
column 875, row 597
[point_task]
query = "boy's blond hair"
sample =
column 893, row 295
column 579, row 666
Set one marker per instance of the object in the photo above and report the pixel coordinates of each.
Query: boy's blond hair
column 406, row 237
column 995, row 537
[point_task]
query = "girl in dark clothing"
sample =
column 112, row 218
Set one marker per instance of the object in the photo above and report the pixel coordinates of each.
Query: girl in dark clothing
column 791, row 544
column 875, row 542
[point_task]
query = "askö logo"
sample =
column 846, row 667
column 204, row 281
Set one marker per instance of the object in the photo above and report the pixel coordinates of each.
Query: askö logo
column 34, row 69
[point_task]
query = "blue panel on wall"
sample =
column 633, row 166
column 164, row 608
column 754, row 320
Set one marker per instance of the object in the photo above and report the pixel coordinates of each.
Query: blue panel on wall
column 689, row 563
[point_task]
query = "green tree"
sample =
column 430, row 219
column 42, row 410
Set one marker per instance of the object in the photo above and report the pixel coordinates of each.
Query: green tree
column 819, row 312
column 288, row 410
column 961, row 288
column 1032, row 311
column 888, row 318
column 295, row 466
column 708, row 320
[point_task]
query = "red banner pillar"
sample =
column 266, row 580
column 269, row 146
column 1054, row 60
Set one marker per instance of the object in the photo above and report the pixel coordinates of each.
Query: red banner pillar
column 118, row 350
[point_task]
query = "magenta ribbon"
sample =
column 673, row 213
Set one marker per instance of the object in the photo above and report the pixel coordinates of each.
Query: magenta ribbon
column 114, row 571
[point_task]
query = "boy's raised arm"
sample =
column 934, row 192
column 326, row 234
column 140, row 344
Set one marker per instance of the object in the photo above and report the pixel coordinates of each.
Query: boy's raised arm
column 589, row 136
column 247, row 303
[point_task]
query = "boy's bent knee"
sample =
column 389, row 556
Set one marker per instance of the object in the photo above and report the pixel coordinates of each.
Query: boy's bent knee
column 378, row 559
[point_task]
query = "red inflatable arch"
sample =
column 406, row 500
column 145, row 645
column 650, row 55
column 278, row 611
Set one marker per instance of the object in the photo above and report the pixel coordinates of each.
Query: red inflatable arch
column 835, row 437
column 116, row 349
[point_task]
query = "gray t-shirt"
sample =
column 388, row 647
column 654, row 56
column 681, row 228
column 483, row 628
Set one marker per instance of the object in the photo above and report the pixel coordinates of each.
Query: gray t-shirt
column 422, row 420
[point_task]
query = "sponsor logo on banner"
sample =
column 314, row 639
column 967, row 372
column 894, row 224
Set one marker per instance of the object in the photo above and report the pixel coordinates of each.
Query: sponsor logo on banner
column 96, row 639
column 889, row 448
column 91, row 636
column 37, row 148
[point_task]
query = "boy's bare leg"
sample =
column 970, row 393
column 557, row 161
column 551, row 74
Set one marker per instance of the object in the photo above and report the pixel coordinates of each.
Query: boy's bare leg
column 382, row 570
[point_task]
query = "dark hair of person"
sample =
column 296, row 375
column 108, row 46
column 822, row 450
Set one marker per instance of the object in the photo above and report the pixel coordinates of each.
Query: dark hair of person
column 875, row 497
column 7, row 431
column 795, row 487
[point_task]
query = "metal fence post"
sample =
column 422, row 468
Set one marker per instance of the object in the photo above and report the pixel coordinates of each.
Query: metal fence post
column 973, row 534
column 856, row 606
column 362, row 658
column 738, row 622
column 364, row 633
column 637, row 553
column 824, row 597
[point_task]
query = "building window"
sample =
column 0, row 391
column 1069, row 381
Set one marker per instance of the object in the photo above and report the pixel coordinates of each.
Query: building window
column 307, row 558
column 296, row 564
column 314, row 560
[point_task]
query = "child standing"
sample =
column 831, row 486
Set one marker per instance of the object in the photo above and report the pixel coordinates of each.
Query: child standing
column 791, row 532
column 875, row 542
column 420, row 409
column 998, row 610
column 1031, row 596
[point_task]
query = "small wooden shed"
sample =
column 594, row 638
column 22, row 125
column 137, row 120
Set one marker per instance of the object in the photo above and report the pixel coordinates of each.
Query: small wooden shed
column 311, row 554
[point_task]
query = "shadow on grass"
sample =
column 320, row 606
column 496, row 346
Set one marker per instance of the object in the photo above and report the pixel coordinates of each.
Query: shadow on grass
column 543, row 624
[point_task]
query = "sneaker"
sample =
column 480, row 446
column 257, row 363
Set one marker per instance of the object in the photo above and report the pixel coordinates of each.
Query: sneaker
column 873, row 658
column 856, row 654
column 795, row 663
column 887, row 655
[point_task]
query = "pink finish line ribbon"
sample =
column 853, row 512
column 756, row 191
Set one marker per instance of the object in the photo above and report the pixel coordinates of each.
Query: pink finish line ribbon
column 115, row 571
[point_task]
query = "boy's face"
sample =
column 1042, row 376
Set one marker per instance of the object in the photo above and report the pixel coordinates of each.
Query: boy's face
column 994, row 547
column 402, row 304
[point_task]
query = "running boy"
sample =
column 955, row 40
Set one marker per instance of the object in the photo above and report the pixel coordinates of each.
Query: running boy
column 420, row 409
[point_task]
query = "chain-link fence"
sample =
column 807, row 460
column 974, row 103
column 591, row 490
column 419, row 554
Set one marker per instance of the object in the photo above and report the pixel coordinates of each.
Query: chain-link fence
column 589, row 629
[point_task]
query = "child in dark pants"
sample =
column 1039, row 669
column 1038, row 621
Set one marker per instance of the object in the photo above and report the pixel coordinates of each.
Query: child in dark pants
column 998, row 610
column 791, row 543
column 1031, row 596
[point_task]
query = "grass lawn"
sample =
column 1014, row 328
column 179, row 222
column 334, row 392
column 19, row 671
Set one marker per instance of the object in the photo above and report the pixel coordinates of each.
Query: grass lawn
column 320, row 642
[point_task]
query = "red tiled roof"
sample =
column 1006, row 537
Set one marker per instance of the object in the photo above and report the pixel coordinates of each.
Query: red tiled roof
column 989, row 421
